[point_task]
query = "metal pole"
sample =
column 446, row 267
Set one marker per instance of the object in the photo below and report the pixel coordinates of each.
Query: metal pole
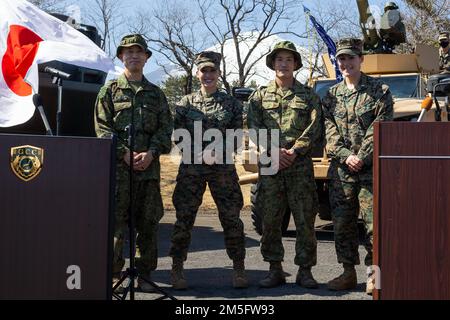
column 58, row 113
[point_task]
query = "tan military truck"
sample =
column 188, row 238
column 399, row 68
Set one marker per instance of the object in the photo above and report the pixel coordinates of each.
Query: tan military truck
column 406, row 75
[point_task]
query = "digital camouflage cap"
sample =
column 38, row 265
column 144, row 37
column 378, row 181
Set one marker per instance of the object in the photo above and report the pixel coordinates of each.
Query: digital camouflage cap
column 350, row 46
column 283, row 45
column 133, row 40
column 208, row 59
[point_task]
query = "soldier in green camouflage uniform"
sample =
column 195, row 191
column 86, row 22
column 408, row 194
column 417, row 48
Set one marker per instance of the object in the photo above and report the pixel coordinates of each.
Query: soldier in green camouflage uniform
column 212, row 109
column 293, row 109
column 153, row 128
column 350, row 109
column 444, row 52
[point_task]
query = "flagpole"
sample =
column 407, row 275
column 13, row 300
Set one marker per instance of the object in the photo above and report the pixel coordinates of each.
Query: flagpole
column 308, row 32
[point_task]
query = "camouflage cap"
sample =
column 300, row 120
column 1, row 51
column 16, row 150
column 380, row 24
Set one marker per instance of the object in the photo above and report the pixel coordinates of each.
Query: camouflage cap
column 208, row 59
column 443, row 36
column 350, row 46
column 133, row 40
column 283, row 45
column 390, row 6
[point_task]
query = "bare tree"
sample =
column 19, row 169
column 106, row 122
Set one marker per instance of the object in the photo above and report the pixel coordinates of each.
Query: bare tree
column 424, row 20
column 247, row 23
column 105, row 16
column 173, row 32
column 49, row 5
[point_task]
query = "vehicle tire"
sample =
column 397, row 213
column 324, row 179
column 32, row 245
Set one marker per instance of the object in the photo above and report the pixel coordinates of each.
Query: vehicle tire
column 324, row 209
column 257, row 213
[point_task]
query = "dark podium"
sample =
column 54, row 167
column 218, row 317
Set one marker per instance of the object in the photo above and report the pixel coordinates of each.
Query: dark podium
column 55, row 213
column 412, row 210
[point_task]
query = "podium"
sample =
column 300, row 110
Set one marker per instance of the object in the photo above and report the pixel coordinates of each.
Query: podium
column 412, row 210
column 56, row 204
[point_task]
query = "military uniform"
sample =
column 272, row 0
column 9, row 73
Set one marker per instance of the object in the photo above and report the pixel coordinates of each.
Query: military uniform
column 153, row 128
column 296, row 113
column 217, row 111
column 444, row 57
column 349, row 118
column 214, row 111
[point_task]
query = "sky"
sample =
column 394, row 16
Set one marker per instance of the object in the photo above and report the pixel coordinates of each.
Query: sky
column 130, row 7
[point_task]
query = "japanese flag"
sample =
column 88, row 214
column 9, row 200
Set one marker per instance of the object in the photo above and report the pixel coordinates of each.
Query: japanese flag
column 29, row 36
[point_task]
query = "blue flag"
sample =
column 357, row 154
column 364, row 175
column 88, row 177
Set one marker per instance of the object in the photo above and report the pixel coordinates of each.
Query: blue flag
column 328, row 41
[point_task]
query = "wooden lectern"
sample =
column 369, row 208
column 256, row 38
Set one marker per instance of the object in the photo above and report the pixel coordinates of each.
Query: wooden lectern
column 56, row 202
column 412, row 209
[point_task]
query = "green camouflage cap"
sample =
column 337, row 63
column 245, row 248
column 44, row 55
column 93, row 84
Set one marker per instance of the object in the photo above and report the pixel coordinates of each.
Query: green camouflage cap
column 350, row 46
column 208, row 59
column 443, row 36
column 133, row 40
column 283, row 45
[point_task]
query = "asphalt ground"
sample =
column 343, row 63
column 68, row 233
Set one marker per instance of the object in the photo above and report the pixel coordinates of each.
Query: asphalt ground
column 208, row 269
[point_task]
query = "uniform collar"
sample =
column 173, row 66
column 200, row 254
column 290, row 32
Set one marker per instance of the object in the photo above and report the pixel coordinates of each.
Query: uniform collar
column 200, row 96
column 122, row 83
column 361, row 86
column 297, row 88
column 206, row 95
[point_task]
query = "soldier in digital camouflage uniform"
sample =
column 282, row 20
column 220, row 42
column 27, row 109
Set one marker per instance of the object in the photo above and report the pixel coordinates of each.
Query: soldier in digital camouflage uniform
column 213, row 109
column 153, row 128
column 350, row 110
column 293, row 109
column 444, row 52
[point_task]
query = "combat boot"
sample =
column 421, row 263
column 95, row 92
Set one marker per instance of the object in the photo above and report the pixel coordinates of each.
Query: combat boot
column 346, row 281
column 239, row 278
column 370, row 284
column 305, row 279
column 275, row 277
column 144, row 285
column 177, row 275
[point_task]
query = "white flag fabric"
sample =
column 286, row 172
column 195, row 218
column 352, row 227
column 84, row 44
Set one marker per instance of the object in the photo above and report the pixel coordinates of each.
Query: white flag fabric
column 29, row 36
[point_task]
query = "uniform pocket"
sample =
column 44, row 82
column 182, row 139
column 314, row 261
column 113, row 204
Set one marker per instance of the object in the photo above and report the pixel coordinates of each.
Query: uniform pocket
column 194, row 115
column 271, row 113
column 191, row 117
column 119, row 106
column 366, row 115
column 299, row 115
column 149, row 118
column 122, row 115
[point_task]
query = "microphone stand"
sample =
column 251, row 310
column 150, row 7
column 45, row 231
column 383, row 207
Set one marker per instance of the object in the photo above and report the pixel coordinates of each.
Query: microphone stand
column 37, row 101
column 57, row 76
column 131, row 272
column 58, row 81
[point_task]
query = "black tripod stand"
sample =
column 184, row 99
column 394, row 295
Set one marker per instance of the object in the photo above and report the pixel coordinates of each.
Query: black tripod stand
column 131, row 272
column 57, row 78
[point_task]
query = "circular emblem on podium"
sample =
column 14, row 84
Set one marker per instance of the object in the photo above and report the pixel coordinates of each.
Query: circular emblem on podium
column 26, row 161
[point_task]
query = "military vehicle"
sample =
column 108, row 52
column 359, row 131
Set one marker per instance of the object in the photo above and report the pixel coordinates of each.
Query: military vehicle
column 438, row 88
column 78, row 97
column 406, row 75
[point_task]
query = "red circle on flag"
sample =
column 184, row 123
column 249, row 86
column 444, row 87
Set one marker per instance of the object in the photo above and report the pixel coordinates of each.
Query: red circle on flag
column 22, row 45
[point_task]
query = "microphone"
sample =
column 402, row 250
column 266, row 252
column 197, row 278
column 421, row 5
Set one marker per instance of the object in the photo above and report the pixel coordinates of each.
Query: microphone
column 37, row 100
column 427, row 103
column 57, row 73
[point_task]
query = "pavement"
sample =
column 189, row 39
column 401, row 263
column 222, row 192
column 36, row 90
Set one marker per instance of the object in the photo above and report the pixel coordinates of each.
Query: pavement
column 208, row 269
